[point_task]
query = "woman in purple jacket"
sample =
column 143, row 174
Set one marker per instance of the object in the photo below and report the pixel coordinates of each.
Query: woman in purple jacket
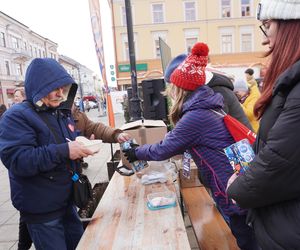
column 202, row 133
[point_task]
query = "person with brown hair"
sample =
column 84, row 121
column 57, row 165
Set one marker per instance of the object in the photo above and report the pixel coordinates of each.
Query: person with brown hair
column 201, row 134
column 271, row 186
column 19, row 95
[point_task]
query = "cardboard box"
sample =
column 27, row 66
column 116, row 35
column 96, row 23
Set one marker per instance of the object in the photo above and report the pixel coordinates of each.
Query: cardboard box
column 193, row 181
column 144, row 132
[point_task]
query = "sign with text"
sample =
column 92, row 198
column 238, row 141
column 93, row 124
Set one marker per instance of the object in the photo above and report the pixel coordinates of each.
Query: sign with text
column 139, row 67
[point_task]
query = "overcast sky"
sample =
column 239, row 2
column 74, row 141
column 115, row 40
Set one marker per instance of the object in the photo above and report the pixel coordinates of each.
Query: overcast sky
column 66, row 22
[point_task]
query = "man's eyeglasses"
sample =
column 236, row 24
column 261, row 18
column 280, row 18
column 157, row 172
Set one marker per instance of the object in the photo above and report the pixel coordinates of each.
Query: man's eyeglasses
column 265, row 27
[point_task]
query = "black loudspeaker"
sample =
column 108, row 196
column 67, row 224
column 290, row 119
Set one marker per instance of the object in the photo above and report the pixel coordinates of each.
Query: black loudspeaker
column 154, row 103
column 129, row 94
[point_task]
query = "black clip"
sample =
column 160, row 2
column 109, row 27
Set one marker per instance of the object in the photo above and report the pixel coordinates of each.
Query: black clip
column 125, row 171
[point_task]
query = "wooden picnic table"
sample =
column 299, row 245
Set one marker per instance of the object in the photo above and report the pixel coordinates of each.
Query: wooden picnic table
column 122, row 219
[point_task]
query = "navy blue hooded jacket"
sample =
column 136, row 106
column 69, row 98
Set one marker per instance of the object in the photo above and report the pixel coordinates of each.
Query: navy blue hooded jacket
column 37, row 159
column 204, row 135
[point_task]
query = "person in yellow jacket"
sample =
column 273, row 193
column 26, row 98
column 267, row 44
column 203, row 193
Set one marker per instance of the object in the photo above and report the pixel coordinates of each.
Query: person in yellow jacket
column 247, row 96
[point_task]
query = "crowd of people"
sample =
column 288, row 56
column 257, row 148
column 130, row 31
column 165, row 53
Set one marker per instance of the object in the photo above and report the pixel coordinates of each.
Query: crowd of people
column 261, row 206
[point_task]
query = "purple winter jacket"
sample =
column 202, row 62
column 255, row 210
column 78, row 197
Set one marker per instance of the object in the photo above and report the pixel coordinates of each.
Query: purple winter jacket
column 204, row 135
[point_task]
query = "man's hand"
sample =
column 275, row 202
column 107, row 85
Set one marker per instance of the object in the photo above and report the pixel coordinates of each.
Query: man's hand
column 78, row 150
column 123, row 137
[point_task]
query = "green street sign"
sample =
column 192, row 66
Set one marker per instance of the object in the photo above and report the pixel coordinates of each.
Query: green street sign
column 139, row 67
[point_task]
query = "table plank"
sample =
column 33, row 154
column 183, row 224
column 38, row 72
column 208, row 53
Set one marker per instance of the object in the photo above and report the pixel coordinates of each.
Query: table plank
column 123, row 221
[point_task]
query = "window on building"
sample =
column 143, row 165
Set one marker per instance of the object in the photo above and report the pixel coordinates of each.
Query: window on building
column 246, row 38
column 15, row 42
column 190, row 11
column 25, row 46
column 36, row 52
column 31, row 50
column 226, row 41
column 126, row 47
column 156, row 35
column 123, row 15
column 226, row 8
column 157, row 13
column 191, row 37
column 7, row 68
column 190, row 42
column 44, row 53
column 40, row 53
column 2, row 39
column 245, row 8
column 19, row 69
column 246, row 43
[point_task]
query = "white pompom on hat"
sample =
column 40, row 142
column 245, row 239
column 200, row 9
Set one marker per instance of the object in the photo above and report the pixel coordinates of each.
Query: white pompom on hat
column 278, row 9
column 240, row 85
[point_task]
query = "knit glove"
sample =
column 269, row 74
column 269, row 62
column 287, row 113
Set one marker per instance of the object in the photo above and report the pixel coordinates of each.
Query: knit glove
column 130, row 153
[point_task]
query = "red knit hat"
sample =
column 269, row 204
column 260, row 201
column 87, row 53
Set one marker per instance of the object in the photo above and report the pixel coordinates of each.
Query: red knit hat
column 190, row 74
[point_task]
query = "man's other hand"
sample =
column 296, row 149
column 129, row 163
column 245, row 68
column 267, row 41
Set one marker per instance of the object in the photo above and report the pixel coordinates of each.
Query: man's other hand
column 77, row 150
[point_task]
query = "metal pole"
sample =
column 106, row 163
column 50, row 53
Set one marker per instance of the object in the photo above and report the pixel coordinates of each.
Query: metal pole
column 135, row 101
column 80, row 88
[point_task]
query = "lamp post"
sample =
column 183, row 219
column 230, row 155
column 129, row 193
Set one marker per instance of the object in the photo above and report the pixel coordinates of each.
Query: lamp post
column 80, row 88
column 135, row 101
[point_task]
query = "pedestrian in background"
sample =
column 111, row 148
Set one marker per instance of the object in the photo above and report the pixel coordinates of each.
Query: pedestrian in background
column 200, row 132
column 271, row 186
column 19, row 95
column 247, row 96
column 249, row 73
column 34, row 147
column 2, row 109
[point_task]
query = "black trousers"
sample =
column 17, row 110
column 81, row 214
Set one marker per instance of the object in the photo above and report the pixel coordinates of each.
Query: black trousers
column 25, row 241
column 244, row 234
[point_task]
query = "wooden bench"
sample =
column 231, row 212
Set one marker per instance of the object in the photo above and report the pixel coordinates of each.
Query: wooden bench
column 210, row 228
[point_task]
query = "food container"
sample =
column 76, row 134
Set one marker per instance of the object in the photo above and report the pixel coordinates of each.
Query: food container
column 161, row 200
column 93, row 145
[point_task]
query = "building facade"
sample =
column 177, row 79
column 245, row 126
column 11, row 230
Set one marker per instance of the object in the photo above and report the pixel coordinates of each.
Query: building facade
column 19, row 45
column 229, row 27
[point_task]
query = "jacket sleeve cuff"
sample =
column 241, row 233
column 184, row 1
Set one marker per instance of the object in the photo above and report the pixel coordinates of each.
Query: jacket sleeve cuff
column 63, row 150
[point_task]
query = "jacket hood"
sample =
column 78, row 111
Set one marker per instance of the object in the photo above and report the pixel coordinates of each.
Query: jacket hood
column 288, row 79
column 219, row 80
column 44, row 75
column 203, row 98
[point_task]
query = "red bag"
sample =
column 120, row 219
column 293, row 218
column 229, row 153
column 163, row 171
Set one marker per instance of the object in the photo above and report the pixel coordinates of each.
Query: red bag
column 237, row 130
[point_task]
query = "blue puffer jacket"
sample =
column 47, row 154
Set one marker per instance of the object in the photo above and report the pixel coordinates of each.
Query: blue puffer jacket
column 37, row 161
column 204, row 135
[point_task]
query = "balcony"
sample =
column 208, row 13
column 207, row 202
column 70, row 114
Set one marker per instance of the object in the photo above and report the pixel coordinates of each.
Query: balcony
column 20, row 55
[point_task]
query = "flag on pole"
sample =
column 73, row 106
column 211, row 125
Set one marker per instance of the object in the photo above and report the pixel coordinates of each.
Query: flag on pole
column 97, row 32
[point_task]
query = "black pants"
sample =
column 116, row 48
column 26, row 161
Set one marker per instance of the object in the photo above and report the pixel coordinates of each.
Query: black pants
column 25, row 241
column 244, row 234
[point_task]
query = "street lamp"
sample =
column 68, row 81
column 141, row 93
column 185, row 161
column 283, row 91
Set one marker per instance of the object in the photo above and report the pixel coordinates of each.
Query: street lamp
column 135, row 101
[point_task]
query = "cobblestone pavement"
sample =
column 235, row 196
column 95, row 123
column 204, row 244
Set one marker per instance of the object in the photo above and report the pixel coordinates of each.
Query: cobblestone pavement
column 97, row 172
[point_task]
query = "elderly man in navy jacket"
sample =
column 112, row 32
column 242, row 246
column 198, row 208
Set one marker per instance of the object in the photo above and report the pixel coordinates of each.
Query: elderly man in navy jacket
column 35, row 149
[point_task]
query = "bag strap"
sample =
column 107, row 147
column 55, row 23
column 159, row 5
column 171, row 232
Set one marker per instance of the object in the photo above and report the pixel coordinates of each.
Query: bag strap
column 216, row 181
column 57, row 139
column 221, row 112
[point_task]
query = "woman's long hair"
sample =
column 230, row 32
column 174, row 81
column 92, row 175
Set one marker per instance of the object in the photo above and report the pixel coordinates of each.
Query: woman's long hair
column 285, row 52
column 178, row 96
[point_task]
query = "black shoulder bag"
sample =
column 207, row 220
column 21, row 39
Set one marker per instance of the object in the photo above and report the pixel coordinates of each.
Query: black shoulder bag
column 82, row 188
